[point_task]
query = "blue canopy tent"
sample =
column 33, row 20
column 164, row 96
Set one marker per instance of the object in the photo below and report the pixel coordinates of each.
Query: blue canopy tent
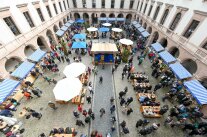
column 23, row 70
column 7, row 87
column 71, row 21
column 68, row 24
column 167, row 57
column 60, row 33
column 80, row 21
column 111, row 19
column 64, row 28
column 141, row 29
column 134, row 22
column 137, row 25
column 157, row 47
column 197, row 90
column 103, row 29
column 145, row 34
column 79, row 36
column 180, row 71
column 81, row 45
column 120, row 19
column 37, row 55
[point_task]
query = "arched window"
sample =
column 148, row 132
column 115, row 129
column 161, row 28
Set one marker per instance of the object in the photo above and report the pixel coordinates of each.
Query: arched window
column 205, row 46
column 164, row 16
column 175, row 21
column 156, row 13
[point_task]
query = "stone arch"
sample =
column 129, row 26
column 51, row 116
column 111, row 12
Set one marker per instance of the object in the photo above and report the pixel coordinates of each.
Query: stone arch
column 190, row 65
column 174, row 51
column 164, row 42
column 137, row 19
column 120, row 15
column 71, row 16
column 203, row 81
column 12, row 63
column 111, row 15
column 60, row 24
column 155, row 37
column 55, row 28
column 50, row 37
column 94, row 18
column 64, row 20
column 145, row 25
column 149, row 30
column 76, row 16
column 103, row 15
column 28, row 50
column 128, row 18
column 86, row 17
column 41, row 42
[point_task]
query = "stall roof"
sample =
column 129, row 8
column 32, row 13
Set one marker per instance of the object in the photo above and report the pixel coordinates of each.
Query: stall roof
column 7, row 87
column 141, row 29
column 68, row 24
column 111, row 19
column 79, row 36
column 71, row 21
column 137, row 25
column 180, row 71
column 134, row 22
column 37, row 55
column 64, row 28
column 60, row 33
column 77, row 45
column 120, row 19
column 104, row 29
column 167, row 57
column 104, row 47
column 197, row 90
column 157, row 47
column 22, row 71
column 145, row 34
column 80, row 21
column 102, row 19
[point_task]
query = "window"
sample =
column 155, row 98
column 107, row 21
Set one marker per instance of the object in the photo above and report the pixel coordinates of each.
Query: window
column 74, row 4
column 64, row 5
column 141, row 7
column 112, row 3
column 68, row 3
column 175, row 21
column 48, row 10
column 102, row 3
column 40, row 14
column 205, row 46
column 55, row 8
column 94, row 4
column 191, row 28
column 164, row 16
column 84, row 3
column 149, row 11
column 145, row 7
column 131, row 4
column 122, row 4
column 156, row 13
column 12, row 26
column 60, row 7
column 28, row 18
column 138, row 5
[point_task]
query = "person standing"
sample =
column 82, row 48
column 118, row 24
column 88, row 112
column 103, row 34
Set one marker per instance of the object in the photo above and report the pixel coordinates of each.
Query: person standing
column 79, row 123
column 75, row 113
column 36, row 93
column 36, row 115
column 92, row 115
column 52, row 105
column 90, row 89
column 80, row 108
column 113, row 69
column 129, row 100
column 158, row 86
column 84, row 113
column 100, row 79
column 122, row 101
column 112, row 108
column 88, row 98
column 129, row 111
column 102, row 111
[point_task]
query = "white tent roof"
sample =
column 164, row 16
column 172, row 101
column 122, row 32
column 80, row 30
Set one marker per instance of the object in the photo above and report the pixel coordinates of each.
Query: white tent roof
column 104, row 47
column 126, row 41
column 75, row 69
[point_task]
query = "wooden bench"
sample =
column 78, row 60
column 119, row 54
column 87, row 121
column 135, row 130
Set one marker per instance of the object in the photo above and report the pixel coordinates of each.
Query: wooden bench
column 154, row 109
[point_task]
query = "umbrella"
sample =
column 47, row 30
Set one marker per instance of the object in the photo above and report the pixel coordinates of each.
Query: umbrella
column 106, row 24
column 92, row 29
column 74, row 69
column 126, row 41
column 104, row 29
column 117, row 29
column 67, row 88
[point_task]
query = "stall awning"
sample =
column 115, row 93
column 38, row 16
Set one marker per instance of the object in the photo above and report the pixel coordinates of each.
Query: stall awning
column 120, row 19
column 167, row 57
column 180, row 71
column 111, row 19
column 7, row 87
column 134, row 22
column 71, row 21
column 60, row 33
column 79, row 36
column 64, row 28
column 141, row 29
column 68, row 24
column 102, row 19
column 23, row 70
column 157, row 47
column 145, row 34
column 77, row 45
column 104, row 47
column 80, row 21
column 37, row 55
column 137, row 25
column 104, row 29
column 197, row 90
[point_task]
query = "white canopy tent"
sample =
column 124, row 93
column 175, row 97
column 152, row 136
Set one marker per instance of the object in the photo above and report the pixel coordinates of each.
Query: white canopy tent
column 92, row 29
column 74, row 69
column 126, row 41
column 67, row 88
column 106, row 24
column 117, row 30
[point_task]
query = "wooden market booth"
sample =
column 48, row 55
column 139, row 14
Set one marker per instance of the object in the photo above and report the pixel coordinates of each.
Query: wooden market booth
column 104, row 53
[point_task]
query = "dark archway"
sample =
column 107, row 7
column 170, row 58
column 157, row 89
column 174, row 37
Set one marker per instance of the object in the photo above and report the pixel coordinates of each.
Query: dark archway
column 41, row 42
column 141, row 22
column 28, row 50
column 64, row 20
column 120, row 15
column 94, row 18
column 174, row 51
column 55, row 28
column 145, row 25
column 203, row 81
column 76, row 16
column 149, row 30
column 60, row 24
column 155, row 37
column 163, row 42
column 190, row 65
column 103, row 15
column 68, row 18
column 111, row 15
column 86, row 17
column 12, row 63
column 128, row 18
column 137, row 19
column 50, row 37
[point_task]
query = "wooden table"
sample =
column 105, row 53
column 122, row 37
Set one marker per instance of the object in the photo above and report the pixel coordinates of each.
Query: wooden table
column 146, row 95
column 154, row 109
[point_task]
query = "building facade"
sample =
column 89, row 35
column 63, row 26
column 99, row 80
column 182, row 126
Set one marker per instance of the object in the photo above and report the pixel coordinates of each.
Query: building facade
column 179, row 25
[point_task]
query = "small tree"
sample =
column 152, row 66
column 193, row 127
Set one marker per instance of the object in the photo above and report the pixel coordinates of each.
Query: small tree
column 63, row 44
column 125, row 55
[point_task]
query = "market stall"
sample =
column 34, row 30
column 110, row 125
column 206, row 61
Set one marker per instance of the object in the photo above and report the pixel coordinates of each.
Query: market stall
column 37, row 56
column 157, row 47
column 115, row 34
column 92, row 33
column 125, row 44
column 104, row 53
column 167, row 57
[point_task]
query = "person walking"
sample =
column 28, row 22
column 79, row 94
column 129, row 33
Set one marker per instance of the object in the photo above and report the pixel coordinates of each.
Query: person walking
column 84, row 113
column 92, row 115
column 122, row 75
column 102, row 111
column 89, row 111
column 129, row 111
column 121, row 94
column 75, row 113
column 52, row 105
column 80, row 108
column 27, row 95
column 113, row 69
column 112, row 100
column 90, row 89
column 158, row 86
column 122, row 101
column 87, row 119
column 79, row 123
column 88, row 98
column 129, row 100
column 36, row 115
column 36, row 93
column 112, row 108
column 100, row 79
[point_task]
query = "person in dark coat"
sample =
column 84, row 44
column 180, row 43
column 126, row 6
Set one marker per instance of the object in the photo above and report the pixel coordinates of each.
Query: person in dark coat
column 100, row 79
column 122, row 101
column 88, row 98
column 87, row 119
column 79, row 123
column 158, row 86
column 129, row 111
column 36, row 93
column 123, row 124
column 36, row 115
column 129, row 100
column 121, row 94
column 112, row 108
column 92, row 115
